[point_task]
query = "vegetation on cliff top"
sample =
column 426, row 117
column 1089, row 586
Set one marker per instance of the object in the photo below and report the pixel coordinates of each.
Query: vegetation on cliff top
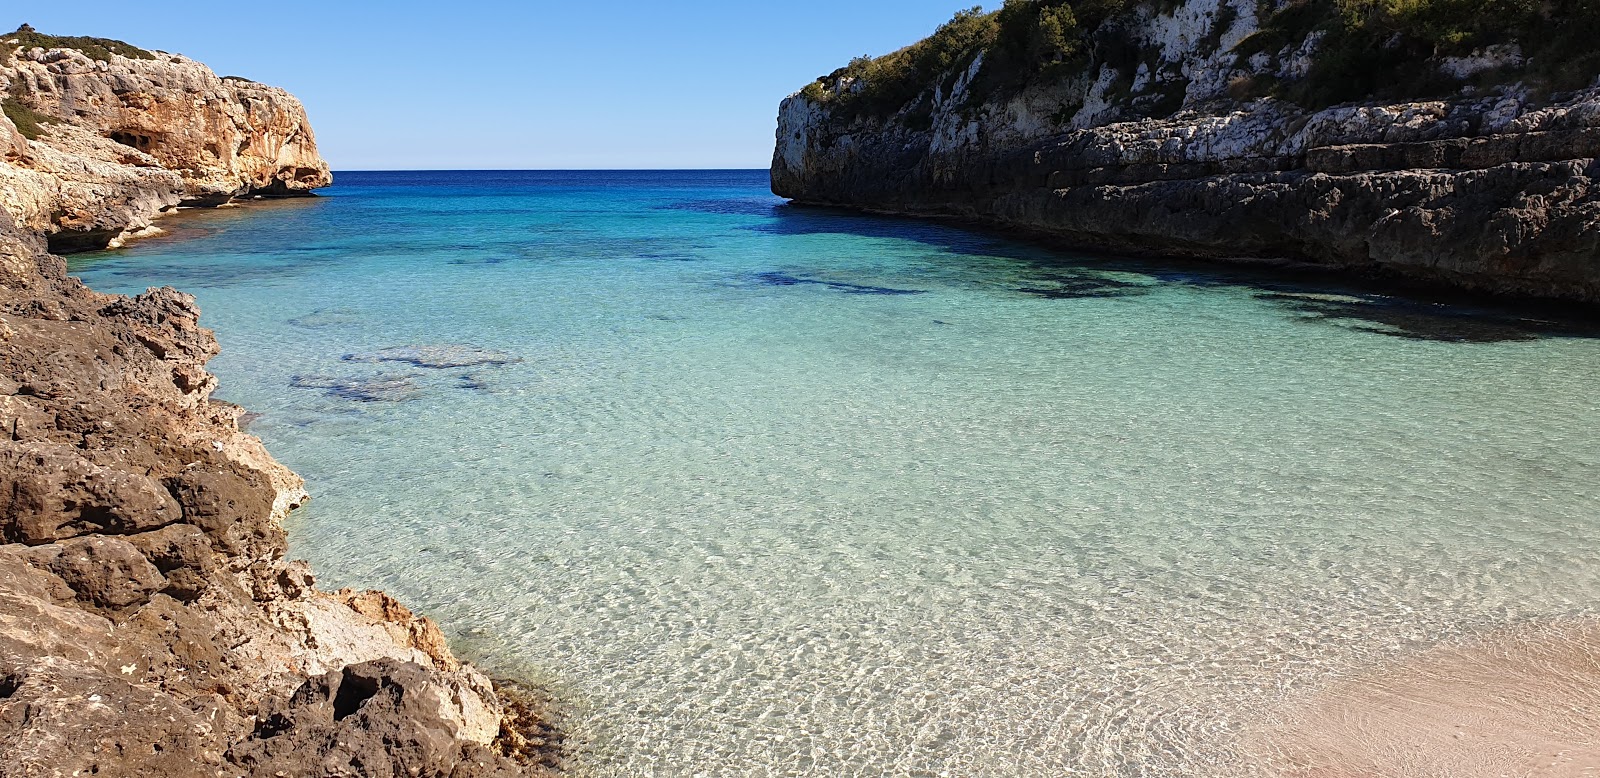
column 1390, row 48
column 1366, row 49
column 1022, row 41
column 94, row 48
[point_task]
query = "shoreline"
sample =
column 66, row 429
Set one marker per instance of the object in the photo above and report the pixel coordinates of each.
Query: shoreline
column 150, row 621
column 1375, row 281
column 1522, row 699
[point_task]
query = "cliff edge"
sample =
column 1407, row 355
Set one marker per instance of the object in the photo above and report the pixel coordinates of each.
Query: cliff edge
column 149, row 621
column 1446, row 142
column 104, row 135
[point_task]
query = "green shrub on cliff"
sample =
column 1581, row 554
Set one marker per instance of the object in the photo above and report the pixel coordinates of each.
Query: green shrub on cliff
column 28, row 121
column 1390, row 48
column 95, row 48
column 1367, row 49
column 1024, row 42
column 882, row 85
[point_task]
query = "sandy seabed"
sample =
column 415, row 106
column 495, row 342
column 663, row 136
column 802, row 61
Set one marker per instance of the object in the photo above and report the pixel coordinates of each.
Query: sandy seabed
column 1518, row 702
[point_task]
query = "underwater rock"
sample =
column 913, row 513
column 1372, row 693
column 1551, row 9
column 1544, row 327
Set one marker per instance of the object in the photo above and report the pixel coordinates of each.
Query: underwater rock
column 437, row 357
column 368, row 389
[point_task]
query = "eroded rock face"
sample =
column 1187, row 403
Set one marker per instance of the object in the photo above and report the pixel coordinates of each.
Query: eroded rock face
column 1497, row 191
column 132, row 137
column 149, row 622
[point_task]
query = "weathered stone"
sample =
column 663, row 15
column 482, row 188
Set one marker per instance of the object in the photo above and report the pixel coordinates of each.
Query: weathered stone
column 381, row 718
column 49, row 492
column 183, row 554
column 1495, row 191
column 106, row 571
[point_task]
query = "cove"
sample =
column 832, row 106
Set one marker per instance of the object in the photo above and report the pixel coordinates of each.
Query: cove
column 768, row 490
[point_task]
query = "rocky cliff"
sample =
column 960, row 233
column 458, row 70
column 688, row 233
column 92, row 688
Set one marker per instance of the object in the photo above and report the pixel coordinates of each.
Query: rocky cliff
column 149, row 621
column 136, row 132
column 1463, row 152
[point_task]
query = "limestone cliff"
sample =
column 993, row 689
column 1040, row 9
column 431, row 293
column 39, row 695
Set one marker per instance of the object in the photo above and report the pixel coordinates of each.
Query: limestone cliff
column 162, row 127
column 1201, row 128
column 149, row 622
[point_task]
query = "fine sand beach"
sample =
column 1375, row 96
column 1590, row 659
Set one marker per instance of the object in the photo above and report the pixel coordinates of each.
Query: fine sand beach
column 1519, row 701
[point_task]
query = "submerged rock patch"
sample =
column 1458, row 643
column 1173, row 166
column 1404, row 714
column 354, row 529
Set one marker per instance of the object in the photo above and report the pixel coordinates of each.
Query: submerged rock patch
column 1085, row 287
column 441, row 357
column 378, row 388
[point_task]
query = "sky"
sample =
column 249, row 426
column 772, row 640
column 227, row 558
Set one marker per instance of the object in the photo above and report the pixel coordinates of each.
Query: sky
column 482, row 84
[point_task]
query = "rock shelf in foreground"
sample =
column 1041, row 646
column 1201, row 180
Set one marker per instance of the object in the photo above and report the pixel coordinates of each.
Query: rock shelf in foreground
column 149, row 621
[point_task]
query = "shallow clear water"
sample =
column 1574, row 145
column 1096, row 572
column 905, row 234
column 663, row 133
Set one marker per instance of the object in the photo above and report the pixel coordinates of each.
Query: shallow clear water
column 763, row 490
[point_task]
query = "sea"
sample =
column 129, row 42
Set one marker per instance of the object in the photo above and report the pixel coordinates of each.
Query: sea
column 760, row 489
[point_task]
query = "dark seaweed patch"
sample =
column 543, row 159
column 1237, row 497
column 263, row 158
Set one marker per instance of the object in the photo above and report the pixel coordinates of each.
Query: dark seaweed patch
column 490, row 260
column 327, row 317
column 784, row 279
column 368, row 389
column 671, row 256
column 1085, row 286
column 437, row 357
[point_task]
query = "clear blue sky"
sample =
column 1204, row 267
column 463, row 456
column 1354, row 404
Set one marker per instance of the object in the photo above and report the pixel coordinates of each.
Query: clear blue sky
column 483, row 84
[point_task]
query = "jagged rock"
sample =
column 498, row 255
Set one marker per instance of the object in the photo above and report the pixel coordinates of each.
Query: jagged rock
column 108, row 572
column 49, row 492
column 381, row 718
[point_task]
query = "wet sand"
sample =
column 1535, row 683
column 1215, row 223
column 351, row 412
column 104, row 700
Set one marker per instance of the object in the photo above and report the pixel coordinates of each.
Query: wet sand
column 1520, row 702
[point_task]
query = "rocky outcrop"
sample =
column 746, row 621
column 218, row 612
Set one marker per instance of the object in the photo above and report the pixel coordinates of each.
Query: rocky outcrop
column 1157, row 146
column 120, row 139
column 149, row 621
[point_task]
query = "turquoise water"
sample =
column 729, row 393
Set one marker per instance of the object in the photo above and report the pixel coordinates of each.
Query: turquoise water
column 765, row 490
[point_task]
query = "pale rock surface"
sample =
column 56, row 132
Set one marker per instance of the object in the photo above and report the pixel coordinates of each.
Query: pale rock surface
column 136, row 137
